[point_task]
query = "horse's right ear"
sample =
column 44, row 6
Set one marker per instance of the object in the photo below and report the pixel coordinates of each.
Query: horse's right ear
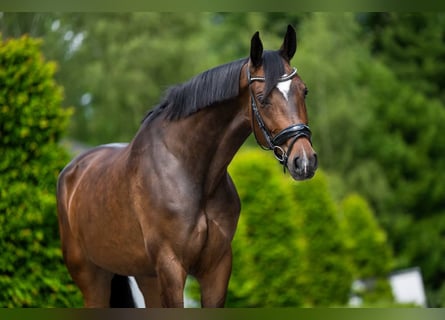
column 256, row 50
column 289, row 46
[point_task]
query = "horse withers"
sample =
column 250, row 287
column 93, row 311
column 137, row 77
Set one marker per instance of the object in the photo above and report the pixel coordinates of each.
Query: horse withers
column 163, row 206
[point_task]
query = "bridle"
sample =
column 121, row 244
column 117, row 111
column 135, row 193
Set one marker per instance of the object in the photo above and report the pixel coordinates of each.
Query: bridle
column 293, row 132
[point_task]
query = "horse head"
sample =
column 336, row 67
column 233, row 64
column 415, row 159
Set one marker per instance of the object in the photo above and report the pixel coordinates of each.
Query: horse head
column 278, row 107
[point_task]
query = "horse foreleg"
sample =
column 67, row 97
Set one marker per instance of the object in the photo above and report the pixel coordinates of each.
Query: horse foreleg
column 151, row 291
column 214, row 283
column 171, row 277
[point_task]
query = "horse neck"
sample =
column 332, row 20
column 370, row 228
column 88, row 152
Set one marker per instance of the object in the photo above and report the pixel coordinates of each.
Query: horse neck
column 205, row 142
column 230, row 135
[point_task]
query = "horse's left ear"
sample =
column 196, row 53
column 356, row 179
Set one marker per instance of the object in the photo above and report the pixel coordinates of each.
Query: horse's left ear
column 289, row 46
column 256, row 50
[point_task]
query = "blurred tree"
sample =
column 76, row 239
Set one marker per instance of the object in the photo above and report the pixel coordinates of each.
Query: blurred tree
column 408, row 143
column 269, row 268
column 330, row 60
column 377, row 120
column 127, row 61
column 14, row 25
column 412, row 46
column 364, row 236
column 116, row 66
column 329, row 265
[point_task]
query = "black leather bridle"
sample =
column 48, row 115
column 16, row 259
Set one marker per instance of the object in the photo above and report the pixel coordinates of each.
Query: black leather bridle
column 293, row 132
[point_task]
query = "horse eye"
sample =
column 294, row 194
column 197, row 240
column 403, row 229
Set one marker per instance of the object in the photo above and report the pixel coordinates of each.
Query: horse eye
column 262, row 100
column 305, row 92
column 265, row 102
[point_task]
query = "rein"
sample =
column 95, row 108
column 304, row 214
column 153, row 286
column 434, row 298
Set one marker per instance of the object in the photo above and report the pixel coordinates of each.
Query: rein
column 293, row 132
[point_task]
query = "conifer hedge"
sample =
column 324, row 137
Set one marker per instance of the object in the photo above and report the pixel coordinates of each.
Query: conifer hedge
column 32, row 121
column 295, row 245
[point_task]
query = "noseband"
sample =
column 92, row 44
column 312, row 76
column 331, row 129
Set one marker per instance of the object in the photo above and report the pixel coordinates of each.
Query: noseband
column 293, row 132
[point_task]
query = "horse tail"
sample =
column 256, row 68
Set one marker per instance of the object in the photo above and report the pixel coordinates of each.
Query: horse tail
column 121, row 294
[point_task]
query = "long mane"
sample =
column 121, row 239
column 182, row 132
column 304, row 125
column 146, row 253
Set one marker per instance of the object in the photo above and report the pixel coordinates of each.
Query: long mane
column 213, row 86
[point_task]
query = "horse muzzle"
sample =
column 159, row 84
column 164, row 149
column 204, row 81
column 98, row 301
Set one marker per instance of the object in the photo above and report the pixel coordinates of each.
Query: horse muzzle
column 303, row 164
column 299, row 158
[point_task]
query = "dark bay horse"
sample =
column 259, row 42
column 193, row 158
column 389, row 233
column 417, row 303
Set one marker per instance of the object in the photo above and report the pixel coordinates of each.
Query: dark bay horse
column 164, row 206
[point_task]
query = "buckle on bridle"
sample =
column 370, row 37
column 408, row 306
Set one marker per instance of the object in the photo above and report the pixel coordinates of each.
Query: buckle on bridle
column 280, row 154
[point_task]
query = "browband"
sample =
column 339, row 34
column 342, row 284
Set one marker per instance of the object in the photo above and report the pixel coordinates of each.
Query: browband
column 281, row 79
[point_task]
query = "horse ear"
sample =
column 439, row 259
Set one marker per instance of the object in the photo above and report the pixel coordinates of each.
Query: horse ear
column 256, row 50
column 289, row 46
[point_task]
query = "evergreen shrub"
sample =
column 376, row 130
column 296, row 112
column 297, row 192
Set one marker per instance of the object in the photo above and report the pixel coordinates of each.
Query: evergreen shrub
column 32, row 121
column 293, row 246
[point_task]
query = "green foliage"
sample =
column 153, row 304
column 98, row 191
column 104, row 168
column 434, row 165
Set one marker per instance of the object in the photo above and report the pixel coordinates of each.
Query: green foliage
column 364, row 236
column 368, row 248
column 128, row 61
column 424, row 246
column 407, row 145
column 376, row 114
column 32, row 273
column 295, row 246
column 116, row 66
column 292, row 246
column 329, row 267
column 412, row 45
column 267, row 251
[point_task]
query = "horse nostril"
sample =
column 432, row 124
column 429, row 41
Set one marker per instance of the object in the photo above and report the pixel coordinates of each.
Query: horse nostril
column 297, row 162
column 306, row 163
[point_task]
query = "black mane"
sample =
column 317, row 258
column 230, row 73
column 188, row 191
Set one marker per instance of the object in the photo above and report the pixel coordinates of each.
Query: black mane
column 213, row 86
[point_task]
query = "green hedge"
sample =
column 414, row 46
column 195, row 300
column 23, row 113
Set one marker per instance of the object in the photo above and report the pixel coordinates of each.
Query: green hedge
column 295, row 246
column 367, row 247
column 32, row 273
column 269, row 244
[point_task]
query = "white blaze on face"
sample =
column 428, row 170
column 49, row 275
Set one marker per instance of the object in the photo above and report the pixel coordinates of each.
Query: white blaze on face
column 284, row 88
column 305, row 162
